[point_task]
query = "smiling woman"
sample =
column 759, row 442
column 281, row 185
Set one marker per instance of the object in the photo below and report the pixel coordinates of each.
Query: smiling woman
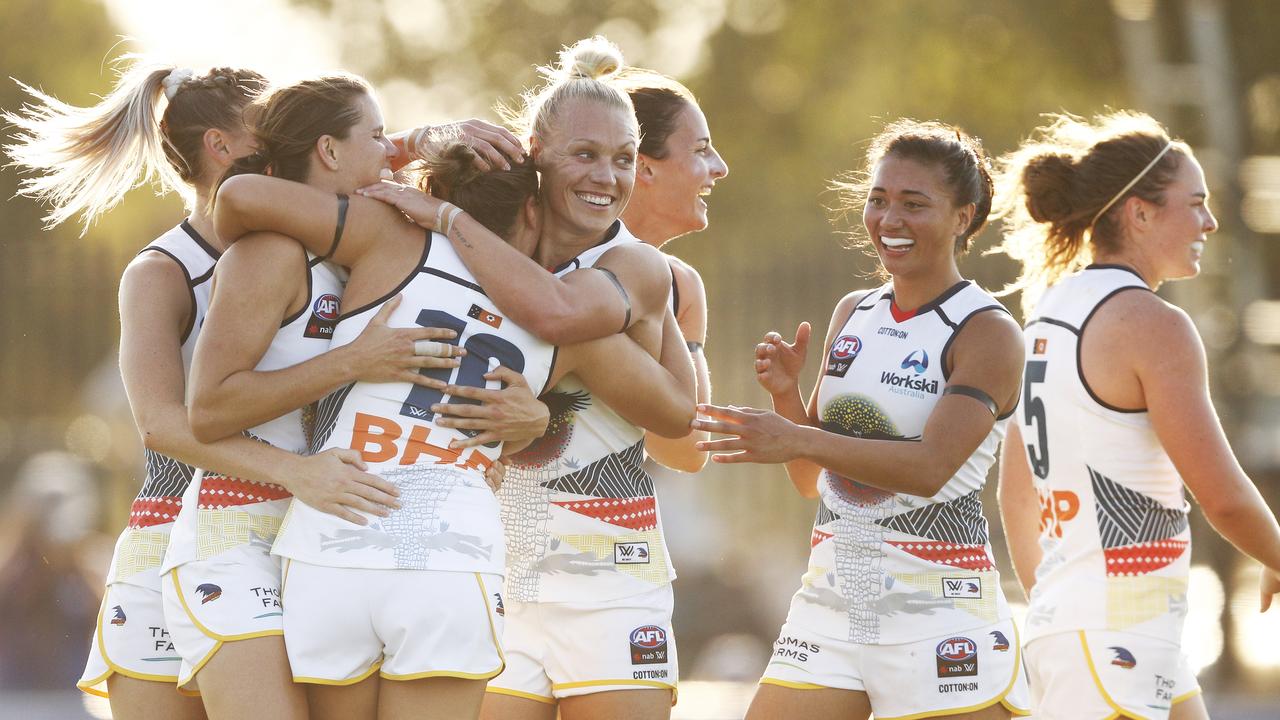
column 902, row 593
column 1111, row 430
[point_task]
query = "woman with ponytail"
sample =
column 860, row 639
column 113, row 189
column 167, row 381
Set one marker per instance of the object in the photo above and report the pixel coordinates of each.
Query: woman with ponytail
column 901, row 611
column 183, row 130
column 1115, row 419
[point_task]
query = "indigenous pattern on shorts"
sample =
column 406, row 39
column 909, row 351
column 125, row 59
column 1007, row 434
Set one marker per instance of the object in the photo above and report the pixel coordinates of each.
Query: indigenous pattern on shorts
column 581, row 518
column 888, row 567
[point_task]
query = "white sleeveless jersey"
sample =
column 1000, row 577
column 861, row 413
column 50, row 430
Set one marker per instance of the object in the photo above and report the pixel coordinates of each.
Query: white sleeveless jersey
column 220, row 512
column 449, row 517
column 141, row 547
column 1113, row 517
column 581, row 517
column 889, row 568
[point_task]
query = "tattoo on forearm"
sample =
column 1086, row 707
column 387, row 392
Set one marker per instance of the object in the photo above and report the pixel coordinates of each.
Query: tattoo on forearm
column 462, row 239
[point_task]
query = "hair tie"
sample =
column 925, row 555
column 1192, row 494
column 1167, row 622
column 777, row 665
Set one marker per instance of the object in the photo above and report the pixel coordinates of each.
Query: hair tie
column 173, row 81
column 1132, row 182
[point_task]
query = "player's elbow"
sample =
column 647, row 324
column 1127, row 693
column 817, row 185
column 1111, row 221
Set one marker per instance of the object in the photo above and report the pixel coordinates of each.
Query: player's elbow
column 206, row 423
column 675, row 425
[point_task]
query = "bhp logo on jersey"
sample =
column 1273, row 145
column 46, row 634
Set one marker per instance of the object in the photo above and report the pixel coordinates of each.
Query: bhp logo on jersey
column 843, row 352
column 631, row 553
column 324, row 316
column 648, row 645
column 957, row 657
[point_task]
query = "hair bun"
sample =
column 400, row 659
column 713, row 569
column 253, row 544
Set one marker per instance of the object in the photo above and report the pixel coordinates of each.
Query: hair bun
column 1050, row 181
column 453, row 166
column 594, row 58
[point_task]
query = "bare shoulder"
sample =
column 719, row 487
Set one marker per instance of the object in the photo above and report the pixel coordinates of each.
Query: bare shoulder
column 989, row 338
column 261, row 247
column 637, row 254
column 154, row 271
column 642, row 267
column 1139, row 316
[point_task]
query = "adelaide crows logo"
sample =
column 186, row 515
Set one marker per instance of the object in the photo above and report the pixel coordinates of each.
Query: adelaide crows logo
column 208, row 592
column 1123, row 658
column 117, row 615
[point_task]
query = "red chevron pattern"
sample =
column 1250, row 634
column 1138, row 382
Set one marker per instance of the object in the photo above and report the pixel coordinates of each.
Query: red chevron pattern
column 633, row 513
column 220, row 491
column 968, row 557
column 819, row 536
column 1142, row 558
column 149, row 511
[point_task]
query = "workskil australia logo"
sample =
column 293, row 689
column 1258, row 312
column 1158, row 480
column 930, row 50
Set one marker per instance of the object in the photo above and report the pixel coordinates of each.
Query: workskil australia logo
column 909, row 382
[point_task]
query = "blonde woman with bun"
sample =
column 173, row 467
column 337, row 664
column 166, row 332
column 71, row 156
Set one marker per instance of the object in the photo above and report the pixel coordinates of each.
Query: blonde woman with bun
column 1115, row 419
column 588, row 575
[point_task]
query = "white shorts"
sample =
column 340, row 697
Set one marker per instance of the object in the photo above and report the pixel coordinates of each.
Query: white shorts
column 131, row 639
column 1097, row 673
column 342, row 624
column 944, row 675
column 235, row 596
column 557, row 650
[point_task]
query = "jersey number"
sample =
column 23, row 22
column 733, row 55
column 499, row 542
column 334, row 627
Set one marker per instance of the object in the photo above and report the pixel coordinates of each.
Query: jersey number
column 1033, row 411
column 480, row 348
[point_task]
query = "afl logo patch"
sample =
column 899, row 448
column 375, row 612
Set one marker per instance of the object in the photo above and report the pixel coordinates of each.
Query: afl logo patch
column 324, row 316
column 648, row 645
column 843, row 352
column 957, row 657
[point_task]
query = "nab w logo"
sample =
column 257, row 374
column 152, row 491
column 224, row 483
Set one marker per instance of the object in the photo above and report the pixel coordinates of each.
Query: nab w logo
column 919, row 364
column 416, row 411
column 631, row 553
column 957, row 657
column 965, row 588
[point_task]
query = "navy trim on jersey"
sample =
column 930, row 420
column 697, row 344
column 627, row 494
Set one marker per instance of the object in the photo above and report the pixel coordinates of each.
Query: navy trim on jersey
column 1115, row 266
column 191, row 289
column 675, row 292
column 204, row 244
column 946, row 348
column 454, row 279
column 1054, row 321
column 610, row 234
column 426, row 250
column 306, row 270
column 934, row 304
column 1080, row 348
column 551, row 370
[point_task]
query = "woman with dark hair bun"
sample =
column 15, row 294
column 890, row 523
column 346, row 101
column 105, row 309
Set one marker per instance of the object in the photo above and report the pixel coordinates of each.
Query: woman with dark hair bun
column 184, row 129
column 676, row 169
column 901, row 611
column 1115, row 420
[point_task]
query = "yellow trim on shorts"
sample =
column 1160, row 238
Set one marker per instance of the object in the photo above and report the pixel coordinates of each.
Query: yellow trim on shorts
column 493, row 634
column 1002, row 698
column 598, row 683
column 209, row 633
column 797, row 685
column 340, row 683
column 1186, row 696
column 517, row 693
column 1093, row 672
column 113, row 667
